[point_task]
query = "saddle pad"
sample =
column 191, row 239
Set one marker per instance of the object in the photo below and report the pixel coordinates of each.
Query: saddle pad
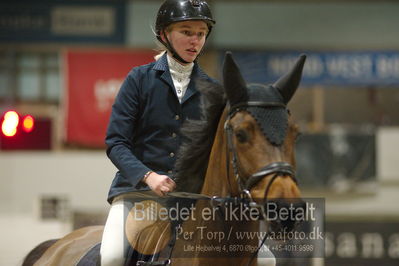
column 91, row 257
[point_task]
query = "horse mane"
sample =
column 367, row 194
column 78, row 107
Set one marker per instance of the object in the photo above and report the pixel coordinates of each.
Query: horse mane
column 198, row 137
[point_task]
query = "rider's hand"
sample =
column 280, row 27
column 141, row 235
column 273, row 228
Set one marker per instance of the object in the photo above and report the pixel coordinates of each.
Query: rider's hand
column 160, row 184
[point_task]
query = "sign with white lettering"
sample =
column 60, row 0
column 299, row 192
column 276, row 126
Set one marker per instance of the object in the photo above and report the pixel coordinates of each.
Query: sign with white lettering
column 375, row 68
column 362, row 243
column 75, row 20
column 62, row 21
column 93, row 79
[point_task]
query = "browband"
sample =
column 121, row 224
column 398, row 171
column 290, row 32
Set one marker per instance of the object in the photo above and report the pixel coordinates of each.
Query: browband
column 234, row 108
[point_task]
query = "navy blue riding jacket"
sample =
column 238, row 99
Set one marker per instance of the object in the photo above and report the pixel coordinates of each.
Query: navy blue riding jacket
column 143, row 132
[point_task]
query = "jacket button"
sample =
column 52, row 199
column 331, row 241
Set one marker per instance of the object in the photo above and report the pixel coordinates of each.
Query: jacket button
column 177, row 117
column 171, row 154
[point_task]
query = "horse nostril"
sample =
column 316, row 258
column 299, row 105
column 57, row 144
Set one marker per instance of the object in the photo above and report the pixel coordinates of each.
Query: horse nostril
column 286, row 214
column 301, row 204
column 302, row 207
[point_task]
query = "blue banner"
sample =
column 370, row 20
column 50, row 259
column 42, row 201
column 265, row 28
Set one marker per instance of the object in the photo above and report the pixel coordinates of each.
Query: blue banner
column 375, row 68
column 62, row 21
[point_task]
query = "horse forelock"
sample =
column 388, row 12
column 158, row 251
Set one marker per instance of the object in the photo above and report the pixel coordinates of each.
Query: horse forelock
column 198, row 137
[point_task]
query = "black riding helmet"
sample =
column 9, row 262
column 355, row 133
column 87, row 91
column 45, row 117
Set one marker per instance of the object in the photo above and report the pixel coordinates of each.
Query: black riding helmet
column 181, row 10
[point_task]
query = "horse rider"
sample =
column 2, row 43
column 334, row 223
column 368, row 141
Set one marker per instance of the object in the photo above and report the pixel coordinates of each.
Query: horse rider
column 143, row 135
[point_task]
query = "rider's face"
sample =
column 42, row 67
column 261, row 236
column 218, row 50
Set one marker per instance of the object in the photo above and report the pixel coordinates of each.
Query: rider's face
column 188, row 38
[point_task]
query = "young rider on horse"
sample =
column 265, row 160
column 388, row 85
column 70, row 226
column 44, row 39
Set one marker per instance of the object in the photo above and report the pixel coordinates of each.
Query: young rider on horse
column 143, row 133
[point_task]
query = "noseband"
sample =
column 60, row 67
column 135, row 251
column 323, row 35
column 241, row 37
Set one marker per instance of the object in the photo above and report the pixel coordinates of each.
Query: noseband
column 276, row 168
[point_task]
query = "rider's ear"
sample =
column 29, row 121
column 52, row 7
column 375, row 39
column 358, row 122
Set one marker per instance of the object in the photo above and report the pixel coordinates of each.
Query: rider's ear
column 288, row 83
column 163, row 35
column 234, row 84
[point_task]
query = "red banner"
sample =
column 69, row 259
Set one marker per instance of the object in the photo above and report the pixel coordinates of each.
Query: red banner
column 93, row 79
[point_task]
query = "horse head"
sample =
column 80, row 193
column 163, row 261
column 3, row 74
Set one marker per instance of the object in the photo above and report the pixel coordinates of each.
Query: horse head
column 261, row 137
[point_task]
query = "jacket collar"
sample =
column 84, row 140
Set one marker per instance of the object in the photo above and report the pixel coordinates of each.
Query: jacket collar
column 196, row 75
column 162, row 65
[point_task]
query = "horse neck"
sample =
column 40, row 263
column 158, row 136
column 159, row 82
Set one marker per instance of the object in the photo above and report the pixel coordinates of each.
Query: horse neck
column 216, row 181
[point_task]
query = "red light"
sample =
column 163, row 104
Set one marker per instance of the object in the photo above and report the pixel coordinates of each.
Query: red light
column 24, row 132
column 28, row 123
column 10, row 123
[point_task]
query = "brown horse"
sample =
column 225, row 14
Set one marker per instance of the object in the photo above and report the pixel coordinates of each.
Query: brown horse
column 243, row 149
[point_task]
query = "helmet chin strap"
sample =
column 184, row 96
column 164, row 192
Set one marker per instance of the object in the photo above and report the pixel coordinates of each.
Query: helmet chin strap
column 171, row 49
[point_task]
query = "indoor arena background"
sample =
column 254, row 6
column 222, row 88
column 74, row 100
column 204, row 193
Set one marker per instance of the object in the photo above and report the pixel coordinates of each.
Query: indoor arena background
column 62, row 62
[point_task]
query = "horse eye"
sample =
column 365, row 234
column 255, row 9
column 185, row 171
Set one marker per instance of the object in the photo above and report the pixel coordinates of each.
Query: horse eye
column 241, row 136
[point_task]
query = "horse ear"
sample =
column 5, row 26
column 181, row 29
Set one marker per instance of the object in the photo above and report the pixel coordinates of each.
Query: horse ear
column 288, row 83
column 234, row 84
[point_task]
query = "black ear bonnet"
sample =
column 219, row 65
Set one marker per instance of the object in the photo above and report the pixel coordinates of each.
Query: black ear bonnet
column 266, row 103
column 272, row 120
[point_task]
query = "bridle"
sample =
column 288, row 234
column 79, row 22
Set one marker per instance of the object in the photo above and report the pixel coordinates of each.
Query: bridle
column 246, row 184
column 275, row 168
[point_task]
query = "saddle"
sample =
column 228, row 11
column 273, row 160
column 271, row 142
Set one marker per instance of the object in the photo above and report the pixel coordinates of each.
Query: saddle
column 92, row 257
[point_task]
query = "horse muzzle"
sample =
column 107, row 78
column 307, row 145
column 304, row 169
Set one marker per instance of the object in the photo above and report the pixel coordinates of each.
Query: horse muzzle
column 285, row 215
